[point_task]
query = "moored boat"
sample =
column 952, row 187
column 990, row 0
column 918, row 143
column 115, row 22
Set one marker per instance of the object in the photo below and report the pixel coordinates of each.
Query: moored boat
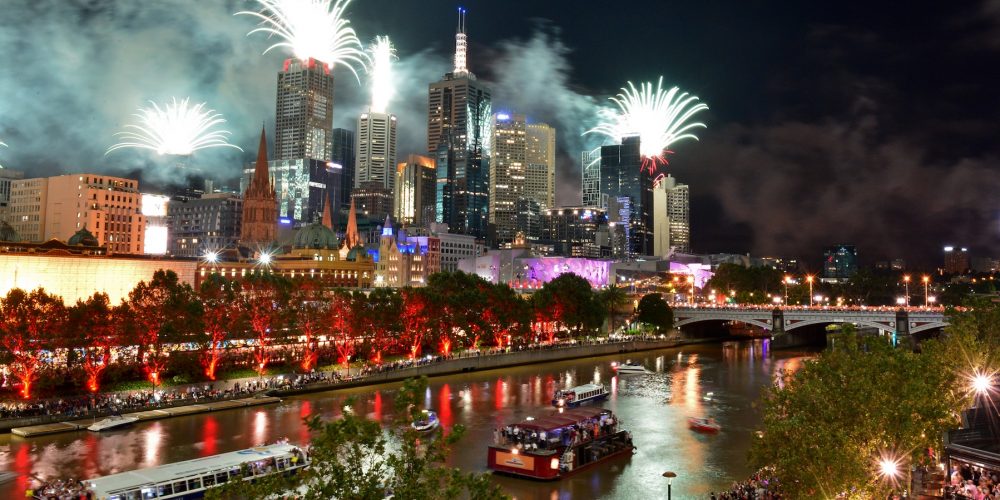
column 578, row 395
column 702, row 424
column 427, row 422
column 630, row 367
column 558, row 445
column 191, row 478
column 112, row 422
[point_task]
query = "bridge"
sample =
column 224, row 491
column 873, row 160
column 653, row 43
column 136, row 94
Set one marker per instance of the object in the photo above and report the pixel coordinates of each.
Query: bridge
column 901, row 321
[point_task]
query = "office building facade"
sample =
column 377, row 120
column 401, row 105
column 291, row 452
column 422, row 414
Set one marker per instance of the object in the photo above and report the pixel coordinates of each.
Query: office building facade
column 206, row 224
column 623, row 180
column 840, row 262
column 671, row 217
column 343, row 155
column 415, row 186
column 540, row 164
column 507, row 173
column 304, row 111
column 376, row 150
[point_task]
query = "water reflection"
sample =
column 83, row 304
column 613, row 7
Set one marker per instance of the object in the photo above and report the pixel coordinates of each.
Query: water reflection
column 653, row 407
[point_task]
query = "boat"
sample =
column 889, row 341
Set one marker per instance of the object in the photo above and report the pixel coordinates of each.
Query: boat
column 702, row 424
column 575, row 396
column 7, row 476
column 556, row 446
column 112, row 422
column 630, row 367
column 428, row 422
column 191, row 478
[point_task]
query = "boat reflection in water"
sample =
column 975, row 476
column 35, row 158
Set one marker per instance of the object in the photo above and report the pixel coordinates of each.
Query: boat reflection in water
column 482, row 402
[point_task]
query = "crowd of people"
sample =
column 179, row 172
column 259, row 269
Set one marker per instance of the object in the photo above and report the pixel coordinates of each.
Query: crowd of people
column 974, row 483
column 534, row 439
column 60, row 489
column 763, row 485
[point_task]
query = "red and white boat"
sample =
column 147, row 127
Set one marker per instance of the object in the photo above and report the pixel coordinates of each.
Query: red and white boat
column 559, row 444
column 702, row 424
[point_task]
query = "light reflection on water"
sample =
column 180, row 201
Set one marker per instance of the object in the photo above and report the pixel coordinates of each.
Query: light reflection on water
column 653, row 407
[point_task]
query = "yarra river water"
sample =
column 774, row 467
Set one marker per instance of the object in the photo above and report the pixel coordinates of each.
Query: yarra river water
column 654, row 407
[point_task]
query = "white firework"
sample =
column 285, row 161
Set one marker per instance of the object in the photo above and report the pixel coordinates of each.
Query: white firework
column 658, row 117
column 382, row 55
column 313, row 29
column 4, row 144
column 177, row 128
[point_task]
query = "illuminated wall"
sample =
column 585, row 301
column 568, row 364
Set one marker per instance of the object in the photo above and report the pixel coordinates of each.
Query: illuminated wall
column 75, row 278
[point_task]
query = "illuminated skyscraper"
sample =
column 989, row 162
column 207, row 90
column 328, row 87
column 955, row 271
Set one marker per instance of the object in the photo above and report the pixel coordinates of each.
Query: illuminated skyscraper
column 376, row 151
column 623, row 180
column 590, row 162
column 507, row 169
column 671, row 217
column 415, row 190
column 343, row 155
column 459, row 109
column 304, row 111
column 540, row 158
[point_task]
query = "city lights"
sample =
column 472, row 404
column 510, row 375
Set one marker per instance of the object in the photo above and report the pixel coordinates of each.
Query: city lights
column 177, row 128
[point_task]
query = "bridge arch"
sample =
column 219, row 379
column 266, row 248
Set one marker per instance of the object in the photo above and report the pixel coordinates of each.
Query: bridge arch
column 928, row 326
column 832, row 321
column 698, row 319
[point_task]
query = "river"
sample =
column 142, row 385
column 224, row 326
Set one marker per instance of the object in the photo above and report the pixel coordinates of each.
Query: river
column 716, row 380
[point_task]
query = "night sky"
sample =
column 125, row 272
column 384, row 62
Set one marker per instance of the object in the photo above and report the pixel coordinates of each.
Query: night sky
column 873, row 123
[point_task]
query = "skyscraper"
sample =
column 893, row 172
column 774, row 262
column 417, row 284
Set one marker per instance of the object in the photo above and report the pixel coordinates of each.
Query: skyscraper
column 590, row 166
column 300, row 186
column 415, row 190
column 622, row 179
column 304, row 111
column 671, row 216
column 840, row 262
column 343, row 155
column 260, row 203
column 459, row 109
column 540, row 174
column 507, row 172
column 956, row 260
column 376, row 150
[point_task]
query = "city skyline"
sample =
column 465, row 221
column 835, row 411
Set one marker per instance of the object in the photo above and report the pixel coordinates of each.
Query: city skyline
column 782, row 153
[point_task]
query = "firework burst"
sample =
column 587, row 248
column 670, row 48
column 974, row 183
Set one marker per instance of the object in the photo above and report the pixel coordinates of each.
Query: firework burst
column 2, row 144
column 313, row 29
column 660, row 118
column 382, row 54
column 177, row 128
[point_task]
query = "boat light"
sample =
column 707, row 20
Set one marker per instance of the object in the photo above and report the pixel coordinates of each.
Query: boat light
column 554, row 463
column 514, row 451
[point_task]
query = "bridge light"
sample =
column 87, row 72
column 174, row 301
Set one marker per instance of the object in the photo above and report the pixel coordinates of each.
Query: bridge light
column 900, row 300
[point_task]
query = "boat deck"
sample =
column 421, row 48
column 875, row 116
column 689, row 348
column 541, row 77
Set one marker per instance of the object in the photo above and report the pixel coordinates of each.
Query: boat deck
column 142, row 416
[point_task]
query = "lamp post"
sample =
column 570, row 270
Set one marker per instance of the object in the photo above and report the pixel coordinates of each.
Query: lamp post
column 809, row 279
column 690, row 279
column 785, row 282
column 906, row 289
column 670, row 479
column 927, row 281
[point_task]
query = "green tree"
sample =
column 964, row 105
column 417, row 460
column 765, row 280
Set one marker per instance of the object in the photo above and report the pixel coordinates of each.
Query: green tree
column 653, row 310
column 827, row 425
column 353, row 457
column 613, row 298
column 568, row 301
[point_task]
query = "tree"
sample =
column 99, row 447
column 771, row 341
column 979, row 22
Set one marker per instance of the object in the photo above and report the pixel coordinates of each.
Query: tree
column 653, row 310
column 827, row 425
column 161, row 312
column 613, row 298
column 217, row 296
column 342, row 321
column 308, row 313
column 381, row 319
column 353, row 457
column 567, row 301
column 262, row 305
column 507, row 316
column 28, row 323
column 416, row 318
column 92, row 331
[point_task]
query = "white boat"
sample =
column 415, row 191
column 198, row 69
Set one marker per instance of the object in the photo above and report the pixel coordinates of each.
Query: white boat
column 427, row 423
column 630, row 367
column 112, row 422
column 575, row 396
column 190, row 478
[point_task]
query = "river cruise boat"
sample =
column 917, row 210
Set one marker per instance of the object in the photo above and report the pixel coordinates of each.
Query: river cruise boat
column 190, row 478
column 559, row 445
column 427, row 422
column 630, row 367
column 112, row 422
column 576, row 396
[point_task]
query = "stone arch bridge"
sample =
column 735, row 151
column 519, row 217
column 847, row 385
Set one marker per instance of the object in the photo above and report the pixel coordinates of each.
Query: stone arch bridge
column 783, row 320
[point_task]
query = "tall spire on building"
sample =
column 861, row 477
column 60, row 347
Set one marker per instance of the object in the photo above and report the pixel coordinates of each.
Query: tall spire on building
column 261, row 182
column 351, row 238
column 327, row 216
column 260, row 203
column 461, row 45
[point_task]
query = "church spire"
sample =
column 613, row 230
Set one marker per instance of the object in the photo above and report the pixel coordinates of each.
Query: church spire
column 327, row 217
column 260, row 203
column 261, row 177
column 352, row 239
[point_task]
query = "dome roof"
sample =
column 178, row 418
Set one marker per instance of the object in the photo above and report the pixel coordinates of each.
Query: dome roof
column 84, row 238
column 357, row 251
column 315, row 236
column 8, row 233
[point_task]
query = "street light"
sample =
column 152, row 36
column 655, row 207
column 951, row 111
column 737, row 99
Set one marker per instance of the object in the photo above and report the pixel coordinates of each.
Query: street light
column 788, row 279
column 809, row 279
column 670, row 479
column 906, row 284
column 927, row 281
column 690, row 279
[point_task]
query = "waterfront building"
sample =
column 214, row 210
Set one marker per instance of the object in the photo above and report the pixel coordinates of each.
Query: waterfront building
column 414, row 196
column 108, row 207
column 572, row 231
column 304, row 111
column 840, row 262
column 459, row 109
column 455, row 247
column 204, row 224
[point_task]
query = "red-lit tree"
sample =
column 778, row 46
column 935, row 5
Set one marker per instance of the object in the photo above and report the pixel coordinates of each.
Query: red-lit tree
column 262, row 305
column 217, row 295
column 28, row 323
column 161, row 312
column 416, row 320
column 308, row 309
column 506, row 315
column 567, row 301
column 381, row 320
column 342, row 324
column 92, row 332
